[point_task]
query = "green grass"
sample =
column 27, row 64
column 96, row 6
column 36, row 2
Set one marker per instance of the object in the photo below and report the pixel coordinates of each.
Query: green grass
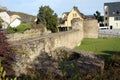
column 101, row 45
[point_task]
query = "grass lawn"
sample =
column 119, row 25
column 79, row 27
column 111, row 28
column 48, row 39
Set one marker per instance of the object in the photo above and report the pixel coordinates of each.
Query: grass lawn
column 101, row 45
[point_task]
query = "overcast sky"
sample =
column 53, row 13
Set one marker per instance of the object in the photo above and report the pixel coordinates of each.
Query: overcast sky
column 87, row 7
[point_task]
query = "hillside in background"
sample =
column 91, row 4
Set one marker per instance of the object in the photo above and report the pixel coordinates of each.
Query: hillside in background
column 24, row 17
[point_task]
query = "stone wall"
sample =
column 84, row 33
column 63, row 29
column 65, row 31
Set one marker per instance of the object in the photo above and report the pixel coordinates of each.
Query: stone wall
column 90, row 28
column 45, row 44
column 35, row 46
column 26, row 35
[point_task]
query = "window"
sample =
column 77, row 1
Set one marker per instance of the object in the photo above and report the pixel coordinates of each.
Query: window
column 113, row 12
column 117, row 18
column 106, row 24
column 105, row 18
column 117, row 12
column 74, row 15
column 106, row 12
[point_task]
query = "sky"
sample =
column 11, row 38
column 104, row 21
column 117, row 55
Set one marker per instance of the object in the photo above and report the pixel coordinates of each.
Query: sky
column 87, row 7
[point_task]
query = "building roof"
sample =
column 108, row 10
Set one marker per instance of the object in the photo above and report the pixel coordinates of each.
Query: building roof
column 113, row 8
column 67, row 13
column 13, row 17
column 81, row 14
column 90, row 17
column 75, row 8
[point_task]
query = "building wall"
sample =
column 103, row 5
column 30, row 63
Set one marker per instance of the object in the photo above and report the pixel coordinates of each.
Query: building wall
column 111, row 11
column 114, row 23
column 63, row 16
column 5, row 17
column 73, row 14
column 15, row 23
column 106, row 17
column 13, row 17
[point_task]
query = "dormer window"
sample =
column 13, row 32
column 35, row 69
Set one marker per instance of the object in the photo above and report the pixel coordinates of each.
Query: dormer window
column 74, row 15
column 117, row 12
column 113, row 12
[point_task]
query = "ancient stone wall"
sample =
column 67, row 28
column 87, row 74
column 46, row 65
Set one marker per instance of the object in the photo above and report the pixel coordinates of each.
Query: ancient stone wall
column 45, row 44
column 35, row 46
column 26, row 35
column 90, row 28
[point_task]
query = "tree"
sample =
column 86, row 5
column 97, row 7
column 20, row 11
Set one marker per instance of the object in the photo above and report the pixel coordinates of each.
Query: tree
column 47, row 17
column 99, row 17
column 7, row 55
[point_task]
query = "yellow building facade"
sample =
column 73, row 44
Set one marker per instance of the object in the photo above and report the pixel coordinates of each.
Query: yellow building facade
column 67, row 17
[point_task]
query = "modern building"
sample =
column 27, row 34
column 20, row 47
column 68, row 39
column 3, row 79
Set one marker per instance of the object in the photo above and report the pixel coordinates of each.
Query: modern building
column 112, row 15
column 67, row 17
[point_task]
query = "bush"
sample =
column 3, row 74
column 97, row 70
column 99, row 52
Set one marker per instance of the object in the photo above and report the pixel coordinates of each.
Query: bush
column 11, row 30
column 23, row 27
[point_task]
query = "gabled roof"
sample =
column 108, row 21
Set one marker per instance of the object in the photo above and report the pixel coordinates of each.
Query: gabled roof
column 90, row 17
column 75, row 8
column 13, row 17
column 67, row 13
column 113, row 8
column 81, row 14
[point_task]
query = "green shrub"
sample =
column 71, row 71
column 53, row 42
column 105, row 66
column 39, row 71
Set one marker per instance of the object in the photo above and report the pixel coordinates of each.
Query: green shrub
column 11, row 30
column 23, row 27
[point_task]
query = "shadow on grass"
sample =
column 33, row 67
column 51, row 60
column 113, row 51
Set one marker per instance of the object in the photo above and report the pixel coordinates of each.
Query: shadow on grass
column 112, row 65
column 109, row 56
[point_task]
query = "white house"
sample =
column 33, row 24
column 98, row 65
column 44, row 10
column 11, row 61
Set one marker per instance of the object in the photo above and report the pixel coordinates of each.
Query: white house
column 112, row 15
column 6, row 19
column 15, row 23
column 15, row 20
